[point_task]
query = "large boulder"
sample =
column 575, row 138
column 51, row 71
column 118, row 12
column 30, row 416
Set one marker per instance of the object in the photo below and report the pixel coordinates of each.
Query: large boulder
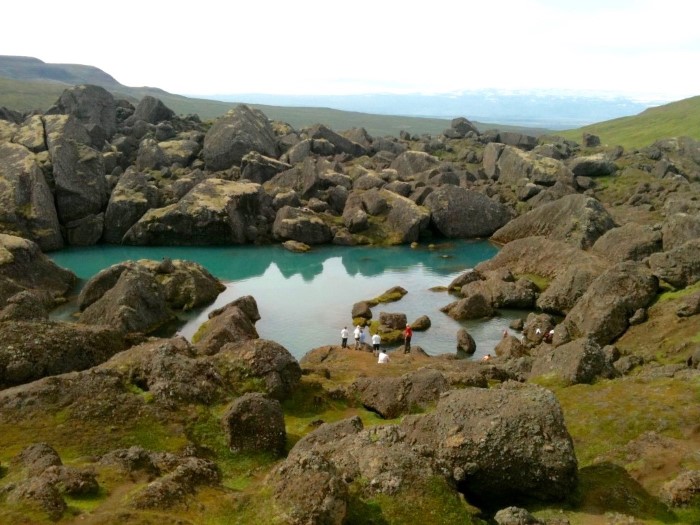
column 255, row 423
column 412, row 162
column 597, row 165
column 340, row 143
column 215, row 211
column 233, row 323
column 510, row 165
column 133, row 196
column 26, row 203
column 680, row 228
column 24, row 267
column 236, row 134
column 151, row 110
column 603, row 312
column 580, row 361
column 576, row 219
column 680, row 267
column 36, row 349
column 500, row 444
column 568, row 286
column 81, row 186
column 259, row 168
column 629, row 242
column 136, row 303
column 391, row 397
column 91, row 105
column 309, row 489
column 259, row 359
column 300, row 225
column 460, row 213
column 473, row 306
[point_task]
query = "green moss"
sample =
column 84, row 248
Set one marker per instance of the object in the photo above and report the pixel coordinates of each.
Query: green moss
column 431, row 502
column 80, row 504
column 678, row 294
column 200, row 332
column 542, row 283
column 607, row 487
column 617, row 411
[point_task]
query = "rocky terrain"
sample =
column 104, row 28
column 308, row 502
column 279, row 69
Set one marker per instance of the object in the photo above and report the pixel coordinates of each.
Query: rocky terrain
column 589, row 416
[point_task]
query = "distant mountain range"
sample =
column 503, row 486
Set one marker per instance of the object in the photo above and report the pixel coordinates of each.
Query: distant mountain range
column 27, row 84
column 550, row 109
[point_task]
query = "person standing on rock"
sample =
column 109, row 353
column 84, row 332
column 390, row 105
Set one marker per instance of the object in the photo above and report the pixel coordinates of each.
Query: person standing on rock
column 407, row 334
column 376, row 339
column 344, row 337
column 357, row 333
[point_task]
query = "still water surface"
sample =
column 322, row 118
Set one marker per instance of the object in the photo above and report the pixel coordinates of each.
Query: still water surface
column 306, row 299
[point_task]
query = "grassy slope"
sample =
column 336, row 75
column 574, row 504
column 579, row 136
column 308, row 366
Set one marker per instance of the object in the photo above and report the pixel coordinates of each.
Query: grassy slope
column 680, row 118
column 24, row 95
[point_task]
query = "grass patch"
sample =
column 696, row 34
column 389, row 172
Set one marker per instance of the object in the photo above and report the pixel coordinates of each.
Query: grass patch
column 542, row 283
column 678, row 294
column 604, row 417
column 431, row 502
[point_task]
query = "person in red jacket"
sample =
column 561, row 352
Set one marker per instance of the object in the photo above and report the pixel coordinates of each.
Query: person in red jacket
column 407, row 334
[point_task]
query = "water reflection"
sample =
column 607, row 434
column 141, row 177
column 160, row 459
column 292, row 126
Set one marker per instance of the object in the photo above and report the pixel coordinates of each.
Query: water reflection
column 305, row 299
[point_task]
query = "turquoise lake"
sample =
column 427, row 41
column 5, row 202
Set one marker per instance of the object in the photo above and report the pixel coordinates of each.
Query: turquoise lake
column 306, row 299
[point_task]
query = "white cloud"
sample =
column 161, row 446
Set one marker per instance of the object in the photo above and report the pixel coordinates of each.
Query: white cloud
column 314, row 46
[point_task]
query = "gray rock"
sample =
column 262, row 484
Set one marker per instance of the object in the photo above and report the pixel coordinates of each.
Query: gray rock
column 461, row 213
column 689, row 306
column 133, row 196
column 680, row 228
column 465, row 342
column 93, row 106
column 629, row 242
column 474, row 306
column 412, row 162
column 259, row 168
column 233, row 323
column 24, row 267
column 26, row 204
column 151, row 110
column 236, row 134
column 499, row 443
column 515, row 516
column 576, row 219
column 597, row 165
column 300, row 225
column 255, row 423
column 391, row 397
column 259, row 359
column 604, row 310
column 580, row 361
column 214, row 212
column 679, row 267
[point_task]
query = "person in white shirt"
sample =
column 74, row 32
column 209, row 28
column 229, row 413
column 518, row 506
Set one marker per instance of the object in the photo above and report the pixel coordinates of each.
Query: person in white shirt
column 376, row 339
column 383, row 358
column 356, row 333
column 344, row 337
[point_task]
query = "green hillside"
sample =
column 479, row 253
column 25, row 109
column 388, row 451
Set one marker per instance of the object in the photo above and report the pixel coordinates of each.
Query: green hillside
column 28, row 84
column 676, row 119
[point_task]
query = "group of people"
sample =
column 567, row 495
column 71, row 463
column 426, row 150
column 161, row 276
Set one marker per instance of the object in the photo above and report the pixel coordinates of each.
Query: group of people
column 360, row 334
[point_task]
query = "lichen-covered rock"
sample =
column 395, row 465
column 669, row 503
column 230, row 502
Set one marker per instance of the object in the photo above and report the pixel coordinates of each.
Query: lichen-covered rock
column 580, row 361
column 679, row 267
column 233, row 323
column 151, row 110
column 32, row 350
column 300, row 225
column 603, row 312
column 576, row 219
column 308, row 489
column 136, row 303
column 597, row 165
column 215, row 211
column 682, row 491
column 500, row 443
column 629, row 242
column 93, row 106
column 259, row 359
column 255, row 423
column 27, row 306
column 391, row 397
column 236, row 134
column 26, row 203
column 460, row 213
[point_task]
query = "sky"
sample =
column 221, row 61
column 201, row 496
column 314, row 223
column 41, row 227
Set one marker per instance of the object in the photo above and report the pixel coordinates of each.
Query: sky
column 647, row 50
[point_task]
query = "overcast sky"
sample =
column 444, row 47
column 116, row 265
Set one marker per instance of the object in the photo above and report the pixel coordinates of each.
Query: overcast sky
column 644, row 49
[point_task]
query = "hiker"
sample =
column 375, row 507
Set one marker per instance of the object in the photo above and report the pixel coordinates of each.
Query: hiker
column 407, row 334
column 357, row 333
column 344, row 337
column 383, row 358
column 363, row 333
column 376, row 339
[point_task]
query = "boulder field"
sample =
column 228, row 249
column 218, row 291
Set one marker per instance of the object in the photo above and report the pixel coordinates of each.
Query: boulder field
column 587, row 409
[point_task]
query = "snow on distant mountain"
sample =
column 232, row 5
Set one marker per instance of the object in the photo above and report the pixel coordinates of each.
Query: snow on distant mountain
column 545, row 109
